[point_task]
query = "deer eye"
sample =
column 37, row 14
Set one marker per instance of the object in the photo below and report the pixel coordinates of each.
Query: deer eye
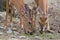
column 45, row 18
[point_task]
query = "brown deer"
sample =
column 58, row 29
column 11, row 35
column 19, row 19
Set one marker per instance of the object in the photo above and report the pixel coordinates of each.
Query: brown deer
column 24, row 20
column 43, row 4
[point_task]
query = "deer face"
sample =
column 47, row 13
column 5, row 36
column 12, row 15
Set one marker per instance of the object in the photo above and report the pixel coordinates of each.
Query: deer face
column 43, row 20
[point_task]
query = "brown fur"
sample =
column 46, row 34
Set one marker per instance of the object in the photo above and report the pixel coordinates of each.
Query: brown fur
column 44, row 7
column 19, row 4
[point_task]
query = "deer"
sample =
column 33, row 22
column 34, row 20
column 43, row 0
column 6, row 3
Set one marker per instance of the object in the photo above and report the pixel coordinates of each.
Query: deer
column 44, row 23
column 24, row 20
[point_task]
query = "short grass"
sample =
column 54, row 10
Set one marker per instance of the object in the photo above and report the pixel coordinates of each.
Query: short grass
column 48, row 35
column 44, row 35
column 27, row 35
